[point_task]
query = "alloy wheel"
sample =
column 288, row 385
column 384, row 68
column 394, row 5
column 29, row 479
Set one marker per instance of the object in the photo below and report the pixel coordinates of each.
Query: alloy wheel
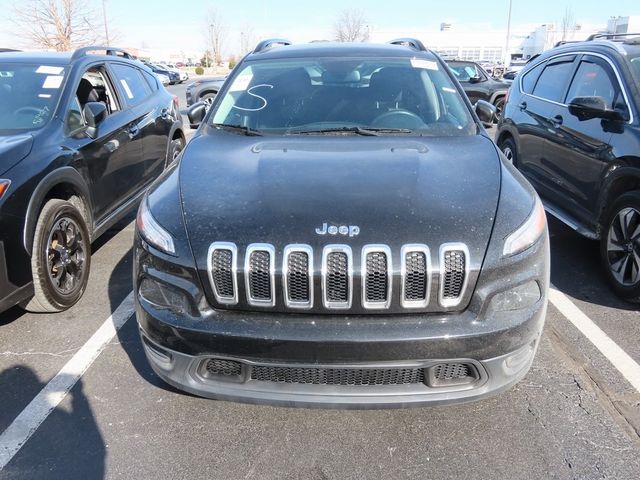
column 65, row 255
column 623, row 247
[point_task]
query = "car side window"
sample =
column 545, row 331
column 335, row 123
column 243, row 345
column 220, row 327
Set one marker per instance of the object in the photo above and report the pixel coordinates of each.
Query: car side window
column 135, row 88
column 529, row 79
column 152, row 80
column 554, row 79
column 75, row 119
column 594, row 79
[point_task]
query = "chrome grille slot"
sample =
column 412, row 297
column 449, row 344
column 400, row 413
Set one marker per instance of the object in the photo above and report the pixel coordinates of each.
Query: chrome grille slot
column 259, row 274
column 454, row 269
column 337, row 276
column 222, row 268
column 416, row 276
column 297, row 273
column 376, row 276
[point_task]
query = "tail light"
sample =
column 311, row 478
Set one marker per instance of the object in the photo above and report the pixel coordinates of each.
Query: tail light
column 176, row 102
column 4, row 186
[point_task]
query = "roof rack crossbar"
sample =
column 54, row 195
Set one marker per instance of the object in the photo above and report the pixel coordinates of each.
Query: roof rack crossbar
column 409, row 42
column 611, row 36
column 80, row 52
column 271, row 43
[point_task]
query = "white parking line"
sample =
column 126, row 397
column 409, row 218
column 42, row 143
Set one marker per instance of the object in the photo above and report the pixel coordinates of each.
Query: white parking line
column 626, row 365
column 25, row 424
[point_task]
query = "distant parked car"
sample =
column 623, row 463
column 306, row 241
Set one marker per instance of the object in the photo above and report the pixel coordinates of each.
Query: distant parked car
column 204, row 90
column 172, row 68
column 82, row 135
column 571, row 126
column 165, row 80
column 173, row 76
column 478, row 84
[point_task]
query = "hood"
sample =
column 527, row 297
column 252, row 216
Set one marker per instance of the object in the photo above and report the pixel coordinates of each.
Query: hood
column 13, row 148
column 394, row 190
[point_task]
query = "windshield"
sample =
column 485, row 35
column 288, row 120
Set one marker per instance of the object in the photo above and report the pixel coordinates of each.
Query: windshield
column 28, row 95
column 344, row 96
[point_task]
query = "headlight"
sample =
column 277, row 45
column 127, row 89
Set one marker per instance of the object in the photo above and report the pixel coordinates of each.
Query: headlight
column 528, row 233
column 4, row 186
column 152, row 232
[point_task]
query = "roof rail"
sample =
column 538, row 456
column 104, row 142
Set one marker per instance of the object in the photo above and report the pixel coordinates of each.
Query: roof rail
column 81, row 52
column 564, row 42
column 5, row 50
column 409, row 42
column 611, row 36
column 271, row 43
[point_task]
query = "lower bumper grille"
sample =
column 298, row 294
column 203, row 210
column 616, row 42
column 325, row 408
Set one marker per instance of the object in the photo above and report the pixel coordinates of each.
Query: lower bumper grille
column 338, row 376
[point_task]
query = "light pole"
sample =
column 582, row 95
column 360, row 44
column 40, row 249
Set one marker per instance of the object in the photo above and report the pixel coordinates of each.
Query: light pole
column 104, row 19
column 506, row 45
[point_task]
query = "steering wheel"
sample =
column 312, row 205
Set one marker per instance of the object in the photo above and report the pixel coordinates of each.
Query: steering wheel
column 398, row 119
column 34, row 110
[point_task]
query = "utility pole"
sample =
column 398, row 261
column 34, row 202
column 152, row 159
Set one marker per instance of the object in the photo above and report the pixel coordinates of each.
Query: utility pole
column 506, row 45
column 104, row 19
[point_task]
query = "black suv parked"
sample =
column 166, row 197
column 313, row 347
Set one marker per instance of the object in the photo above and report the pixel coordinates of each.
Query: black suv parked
column 81, row 136
column 478, row 84
column 341, row 231
column 572, row 127
column 204, row 90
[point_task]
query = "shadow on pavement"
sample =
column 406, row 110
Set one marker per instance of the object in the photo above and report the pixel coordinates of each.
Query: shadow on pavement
column 67, row 445
column 576, row 268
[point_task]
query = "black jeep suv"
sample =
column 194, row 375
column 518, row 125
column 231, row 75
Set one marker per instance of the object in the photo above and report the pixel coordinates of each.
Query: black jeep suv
column 479, row 85
column 341, row 231
column 572, row 127
column 81, row 136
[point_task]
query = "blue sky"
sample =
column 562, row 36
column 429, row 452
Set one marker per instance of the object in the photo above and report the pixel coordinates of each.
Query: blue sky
column 181, row 24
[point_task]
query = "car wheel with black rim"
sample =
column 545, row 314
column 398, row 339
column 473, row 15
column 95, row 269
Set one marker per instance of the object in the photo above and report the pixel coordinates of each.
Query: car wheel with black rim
column 208, row 100
column 175, row 147
column 499, row 104
column 508, row 148
column 60, row 257
column 620, row 246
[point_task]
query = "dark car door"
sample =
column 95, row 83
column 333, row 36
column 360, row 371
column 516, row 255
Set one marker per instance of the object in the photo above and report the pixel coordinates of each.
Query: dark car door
column 105, row 157
column 544, row 88
column 142, row 129
column 473, row 80
column 580, row 150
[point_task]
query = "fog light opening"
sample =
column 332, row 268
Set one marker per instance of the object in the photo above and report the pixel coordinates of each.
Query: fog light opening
column 519, row 359
column 161, row 356
column 451, row 374
column 162, row 296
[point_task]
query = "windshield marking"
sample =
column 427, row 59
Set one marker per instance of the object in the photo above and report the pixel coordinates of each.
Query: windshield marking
column 264, row 100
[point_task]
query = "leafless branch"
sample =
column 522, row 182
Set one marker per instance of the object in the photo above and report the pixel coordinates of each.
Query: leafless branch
column 351, row 26
column 60, row 25
column 216, row 33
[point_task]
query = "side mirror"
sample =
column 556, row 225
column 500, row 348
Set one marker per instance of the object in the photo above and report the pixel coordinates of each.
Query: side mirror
column 486, row 112
column 586, row 108
column 94, row 113
column 196, row 114
column 475, row 79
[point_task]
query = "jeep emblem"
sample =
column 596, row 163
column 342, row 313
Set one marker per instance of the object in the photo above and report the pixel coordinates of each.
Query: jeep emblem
column 351, row 230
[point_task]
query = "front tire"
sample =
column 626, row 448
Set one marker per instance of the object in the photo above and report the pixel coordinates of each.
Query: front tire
column 620, row 246
column 508, row 147
column 499, row 104
column 60, row 257
column 175, row 147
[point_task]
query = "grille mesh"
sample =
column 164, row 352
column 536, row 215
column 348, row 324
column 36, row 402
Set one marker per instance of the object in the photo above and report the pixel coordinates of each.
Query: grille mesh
column 338, row 376
column 453, row 273
column 259, row 275
column 218, row 366
column 415, row 282
column 451, row 371
column 337, row 277
column 298, row 277
column 376, row 281
column 221, row 272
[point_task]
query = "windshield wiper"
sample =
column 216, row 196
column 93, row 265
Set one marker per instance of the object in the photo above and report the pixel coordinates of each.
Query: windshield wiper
column 365, row 131
column 239, row 128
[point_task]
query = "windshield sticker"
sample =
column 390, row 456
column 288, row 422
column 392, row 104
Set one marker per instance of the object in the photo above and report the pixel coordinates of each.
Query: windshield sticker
column 262, row 99
column 52, row 81
column 241, row 83
column 44, row 95
column 49, row 70
column 421, row 63
column 127, row 90
column 448, row 90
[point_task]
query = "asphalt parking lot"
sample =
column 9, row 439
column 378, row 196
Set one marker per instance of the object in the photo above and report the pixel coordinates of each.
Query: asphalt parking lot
column 575, row 416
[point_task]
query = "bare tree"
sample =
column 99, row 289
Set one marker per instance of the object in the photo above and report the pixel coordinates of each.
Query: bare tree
column 60, row 25
column 351, row 26
column 247, row 39
column 567, row 25
column 216, row 33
